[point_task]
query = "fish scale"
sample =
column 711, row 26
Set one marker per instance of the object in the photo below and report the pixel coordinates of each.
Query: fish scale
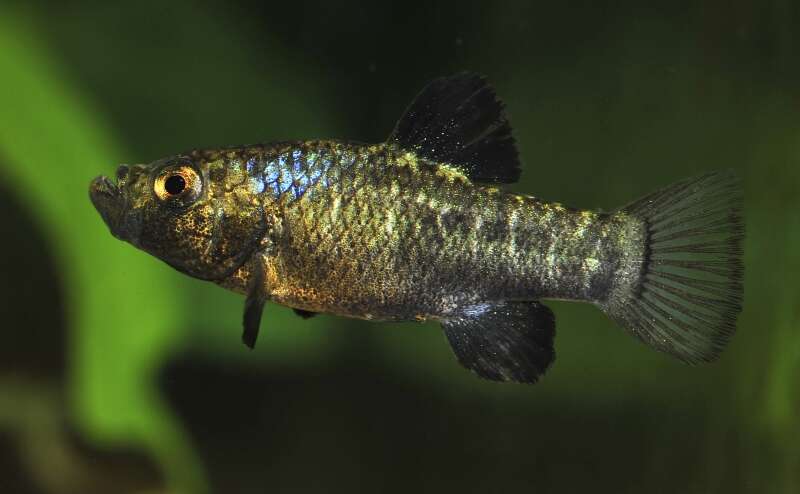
column 419, row 227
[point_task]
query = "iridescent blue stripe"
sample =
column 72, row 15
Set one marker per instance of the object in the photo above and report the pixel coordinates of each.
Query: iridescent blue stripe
column 251, row 166
column 285, row 180
column 272, row 172
column 298, row 173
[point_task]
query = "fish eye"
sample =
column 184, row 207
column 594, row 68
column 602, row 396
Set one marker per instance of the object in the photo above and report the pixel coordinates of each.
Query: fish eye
column 174, row 184
column 180, row 182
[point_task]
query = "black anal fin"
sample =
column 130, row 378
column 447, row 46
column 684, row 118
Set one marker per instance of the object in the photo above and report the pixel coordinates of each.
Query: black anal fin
column 505, row 341
column 254, row 305
column 305, row 314
column 459, row 121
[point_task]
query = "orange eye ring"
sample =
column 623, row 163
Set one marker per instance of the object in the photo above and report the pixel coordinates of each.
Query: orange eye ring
column 181, row 182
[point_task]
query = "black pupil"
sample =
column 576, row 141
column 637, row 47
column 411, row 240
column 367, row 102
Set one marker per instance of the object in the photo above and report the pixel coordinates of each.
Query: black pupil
column 175, row 185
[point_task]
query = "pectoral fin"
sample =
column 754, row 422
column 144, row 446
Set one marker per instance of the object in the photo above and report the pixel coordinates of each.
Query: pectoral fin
column 305, row 314
column 506, row 341
column 254, row 305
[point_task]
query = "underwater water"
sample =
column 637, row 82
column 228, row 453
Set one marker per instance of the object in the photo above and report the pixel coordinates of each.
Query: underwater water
column 119, row 374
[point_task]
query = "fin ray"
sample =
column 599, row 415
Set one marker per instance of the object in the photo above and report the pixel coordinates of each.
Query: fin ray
column 690, row 288
column 254, row 305
column 459, row 121
column 506, row 341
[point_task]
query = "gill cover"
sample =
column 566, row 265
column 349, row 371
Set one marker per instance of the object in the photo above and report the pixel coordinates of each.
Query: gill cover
column 202, row 228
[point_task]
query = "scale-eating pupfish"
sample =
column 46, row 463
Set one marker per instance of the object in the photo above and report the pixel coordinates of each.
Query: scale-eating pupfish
column 419, row 228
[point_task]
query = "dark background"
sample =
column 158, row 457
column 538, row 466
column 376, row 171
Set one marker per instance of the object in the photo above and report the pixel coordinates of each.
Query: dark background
column 118, row 374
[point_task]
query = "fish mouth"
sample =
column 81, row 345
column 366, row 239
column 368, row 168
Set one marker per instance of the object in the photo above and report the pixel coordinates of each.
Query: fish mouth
column 107, row 198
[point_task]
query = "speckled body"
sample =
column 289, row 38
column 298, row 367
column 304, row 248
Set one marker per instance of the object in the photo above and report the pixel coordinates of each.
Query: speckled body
column 418, row 228
column 374, row 232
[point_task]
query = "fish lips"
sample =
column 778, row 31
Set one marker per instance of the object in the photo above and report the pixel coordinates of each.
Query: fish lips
column 110, row 202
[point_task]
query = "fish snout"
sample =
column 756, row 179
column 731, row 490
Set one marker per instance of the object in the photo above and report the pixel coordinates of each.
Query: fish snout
column 103, row 185
column 107, row 199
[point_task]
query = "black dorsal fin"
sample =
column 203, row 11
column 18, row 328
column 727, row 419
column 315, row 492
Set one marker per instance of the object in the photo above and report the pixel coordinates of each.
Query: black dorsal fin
column 458, row 120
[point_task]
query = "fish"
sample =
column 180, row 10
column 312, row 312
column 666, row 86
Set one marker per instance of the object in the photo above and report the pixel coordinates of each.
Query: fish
column 421, row 227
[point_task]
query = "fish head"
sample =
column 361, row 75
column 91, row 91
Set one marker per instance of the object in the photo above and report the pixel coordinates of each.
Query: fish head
column 175, row 210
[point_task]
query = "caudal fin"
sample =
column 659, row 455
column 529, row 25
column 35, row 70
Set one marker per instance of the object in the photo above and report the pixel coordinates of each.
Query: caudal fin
column 689, row 293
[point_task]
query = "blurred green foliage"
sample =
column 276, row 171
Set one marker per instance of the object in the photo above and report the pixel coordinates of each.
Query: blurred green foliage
column 606, row 104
